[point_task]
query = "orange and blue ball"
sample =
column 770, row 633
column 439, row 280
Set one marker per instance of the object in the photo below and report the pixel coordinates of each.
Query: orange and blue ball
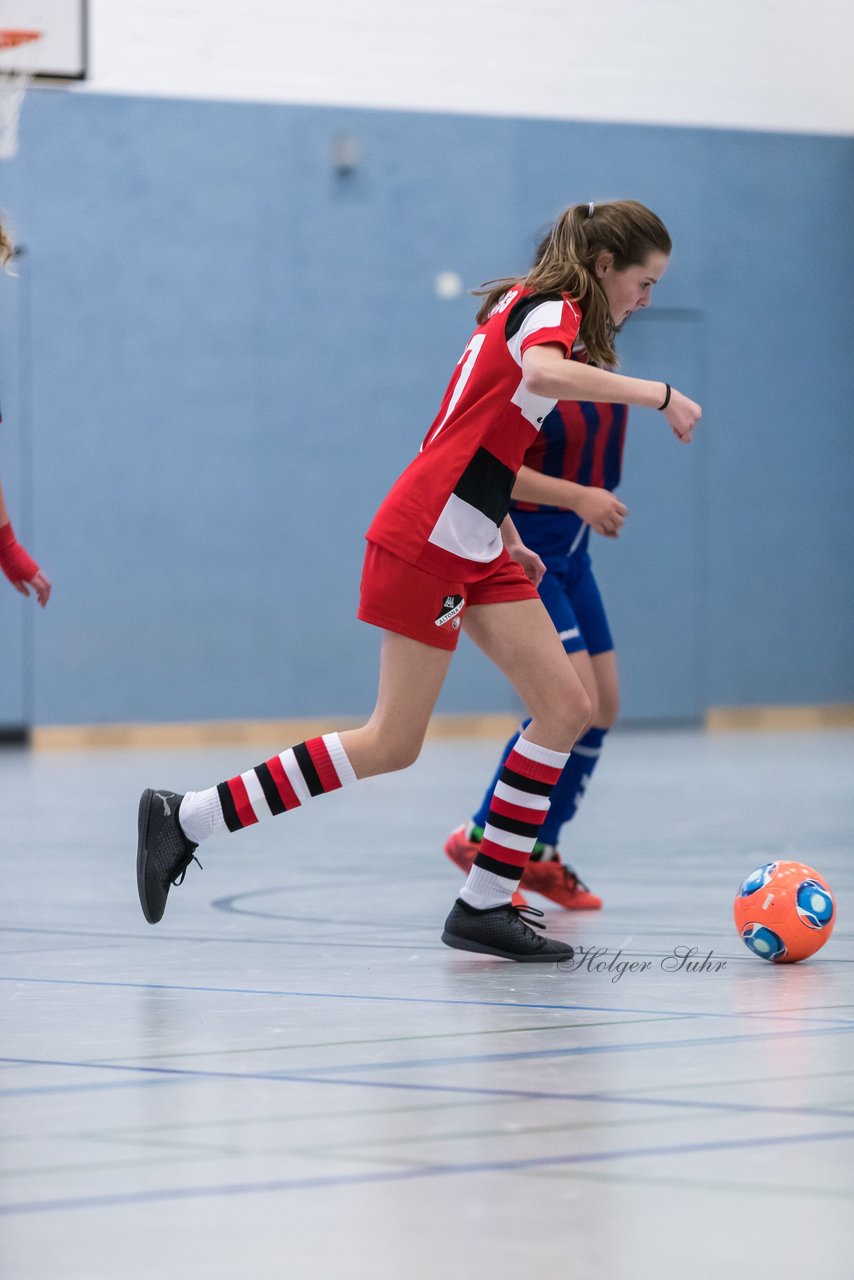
column 784, row 911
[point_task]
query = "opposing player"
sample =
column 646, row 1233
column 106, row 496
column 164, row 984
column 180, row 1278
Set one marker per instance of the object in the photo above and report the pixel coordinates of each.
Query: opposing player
column 442, row 552
column 19, row 567
column 562, row 492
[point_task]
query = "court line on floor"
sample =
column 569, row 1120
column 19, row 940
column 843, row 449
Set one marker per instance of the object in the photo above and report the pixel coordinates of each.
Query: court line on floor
column 615, row 929
column 173, row 1194
column 353, row 996
column 574, row 1051
column 357, row 942
column 29, row 1090
column 791, row 1190
column 356, row 1150
column 428, row 942
column 291, row 1047
column 180, row 1074
column 840, row 1023
column 228, row 905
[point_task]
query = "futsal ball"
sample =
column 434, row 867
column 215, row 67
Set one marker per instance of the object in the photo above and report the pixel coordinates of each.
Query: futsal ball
column 784, row 912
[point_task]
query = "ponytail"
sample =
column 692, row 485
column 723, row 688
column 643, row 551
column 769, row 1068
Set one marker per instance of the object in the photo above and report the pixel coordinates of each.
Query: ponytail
column 565, row 262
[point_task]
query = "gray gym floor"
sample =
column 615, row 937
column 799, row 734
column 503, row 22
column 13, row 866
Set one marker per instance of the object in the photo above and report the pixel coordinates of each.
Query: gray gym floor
column 291, row 1076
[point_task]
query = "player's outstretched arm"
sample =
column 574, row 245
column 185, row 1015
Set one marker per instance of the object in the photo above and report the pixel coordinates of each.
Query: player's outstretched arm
column 19, row 567
column 547, row 372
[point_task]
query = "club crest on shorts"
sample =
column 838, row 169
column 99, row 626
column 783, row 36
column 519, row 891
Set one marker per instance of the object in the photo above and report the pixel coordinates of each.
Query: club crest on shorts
column 452, row 607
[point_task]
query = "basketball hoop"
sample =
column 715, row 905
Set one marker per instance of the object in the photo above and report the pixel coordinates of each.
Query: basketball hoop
column 16, row 70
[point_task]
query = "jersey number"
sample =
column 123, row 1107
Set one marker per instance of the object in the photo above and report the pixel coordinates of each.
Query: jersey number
column 465, row 364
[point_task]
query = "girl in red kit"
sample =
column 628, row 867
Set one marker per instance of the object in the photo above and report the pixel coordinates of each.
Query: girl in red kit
column 563, row 491
column 19, row 567
column 443, row 554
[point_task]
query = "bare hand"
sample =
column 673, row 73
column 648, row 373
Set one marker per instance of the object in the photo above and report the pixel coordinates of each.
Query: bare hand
column 529, row 560
column 683, row 415
column 40, row 585
column 602, row 511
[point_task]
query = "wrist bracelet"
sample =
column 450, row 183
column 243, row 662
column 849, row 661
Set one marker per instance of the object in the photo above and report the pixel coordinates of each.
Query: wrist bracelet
column 666, row 401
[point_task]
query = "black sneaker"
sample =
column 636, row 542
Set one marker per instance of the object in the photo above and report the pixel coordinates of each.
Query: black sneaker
column 163, row 853
column 502, row 931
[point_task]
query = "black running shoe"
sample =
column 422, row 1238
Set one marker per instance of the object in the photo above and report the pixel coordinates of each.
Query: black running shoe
column 502, row 931
column 163, row 853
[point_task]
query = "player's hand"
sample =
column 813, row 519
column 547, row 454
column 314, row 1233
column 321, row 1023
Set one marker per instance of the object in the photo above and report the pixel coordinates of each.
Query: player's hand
column 40, row 585
column 602, row 511
column 20, row 567
column 529, row 560
column 683, row 415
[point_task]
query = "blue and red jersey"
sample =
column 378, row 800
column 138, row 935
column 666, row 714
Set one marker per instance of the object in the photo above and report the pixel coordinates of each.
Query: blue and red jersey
column 578, row 441
column 581, row 442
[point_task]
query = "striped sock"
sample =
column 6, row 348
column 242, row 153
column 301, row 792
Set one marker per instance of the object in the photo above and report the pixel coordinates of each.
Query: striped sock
column 284, row 782
column 519, row 806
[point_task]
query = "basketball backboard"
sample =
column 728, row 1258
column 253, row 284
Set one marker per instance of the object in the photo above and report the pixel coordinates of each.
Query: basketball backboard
column 60, row 53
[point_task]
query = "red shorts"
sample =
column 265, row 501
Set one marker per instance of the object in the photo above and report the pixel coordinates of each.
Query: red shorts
column 400, row 597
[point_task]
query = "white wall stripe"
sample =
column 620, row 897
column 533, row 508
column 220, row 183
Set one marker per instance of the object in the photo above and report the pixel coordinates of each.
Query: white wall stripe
column 737, row 63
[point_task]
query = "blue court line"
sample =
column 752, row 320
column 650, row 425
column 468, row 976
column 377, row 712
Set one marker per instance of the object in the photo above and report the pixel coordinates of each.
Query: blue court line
column 406, row 1175
column 344, row 995
column 183, row 1074
column 574, row 1051
column 426, row 944
column 80, row 1088
column 842, row 1023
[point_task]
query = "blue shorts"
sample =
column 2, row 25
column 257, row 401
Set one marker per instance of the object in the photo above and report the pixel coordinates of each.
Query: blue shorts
column 572, row 598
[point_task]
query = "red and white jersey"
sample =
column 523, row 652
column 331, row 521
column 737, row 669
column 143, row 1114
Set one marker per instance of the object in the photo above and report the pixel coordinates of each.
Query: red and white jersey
column 443, row 513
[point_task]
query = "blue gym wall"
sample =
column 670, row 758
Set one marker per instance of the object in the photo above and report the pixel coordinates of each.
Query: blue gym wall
column 218, row 355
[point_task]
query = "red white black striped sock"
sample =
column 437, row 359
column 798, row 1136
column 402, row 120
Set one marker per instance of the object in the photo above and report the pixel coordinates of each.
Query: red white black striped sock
column 284, row 782
column 520, row 803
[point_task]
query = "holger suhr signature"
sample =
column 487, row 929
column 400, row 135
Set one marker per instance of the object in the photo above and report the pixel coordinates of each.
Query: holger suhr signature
column 681, row 959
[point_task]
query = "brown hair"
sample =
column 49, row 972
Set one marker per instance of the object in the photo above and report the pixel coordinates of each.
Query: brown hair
column 7, row 249
column 566, row 258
